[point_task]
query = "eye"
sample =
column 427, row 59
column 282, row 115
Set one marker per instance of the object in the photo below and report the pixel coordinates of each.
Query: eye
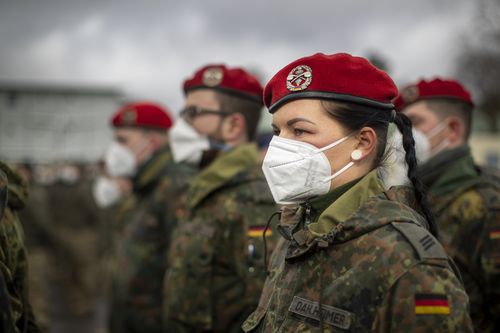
column 298, row 132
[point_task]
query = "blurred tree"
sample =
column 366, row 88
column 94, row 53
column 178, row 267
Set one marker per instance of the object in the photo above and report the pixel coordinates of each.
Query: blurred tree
column 478, row 62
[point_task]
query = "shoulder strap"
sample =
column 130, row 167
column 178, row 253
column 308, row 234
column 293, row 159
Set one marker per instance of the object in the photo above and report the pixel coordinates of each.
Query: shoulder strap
column 426, row 245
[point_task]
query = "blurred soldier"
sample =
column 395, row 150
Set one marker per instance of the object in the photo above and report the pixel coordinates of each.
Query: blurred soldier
column 464, row 199
column 13, row 260
column 141, row 152
column 217, row 253
column 6, row 324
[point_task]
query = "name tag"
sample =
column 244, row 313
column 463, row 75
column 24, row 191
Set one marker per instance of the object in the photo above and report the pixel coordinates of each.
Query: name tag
column 330, row 314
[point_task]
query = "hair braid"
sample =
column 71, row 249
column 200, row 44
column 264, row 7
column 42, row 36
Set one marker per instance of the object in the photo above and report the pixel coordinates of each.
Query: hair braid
column 404, row 125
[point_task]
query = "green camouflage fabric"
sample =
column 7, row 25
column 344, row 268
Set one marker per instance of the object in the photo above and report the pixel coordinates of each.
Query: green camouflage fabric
column 136, row 304
column 366, row 262
column 13, row 259
column 216, row 256
column 6, row 324
column 466, row 202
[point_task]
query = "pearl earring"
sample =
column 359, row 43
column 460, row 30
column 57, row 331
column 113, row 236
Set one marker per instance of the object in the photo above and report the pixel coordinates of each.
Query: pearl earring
column 356, row 155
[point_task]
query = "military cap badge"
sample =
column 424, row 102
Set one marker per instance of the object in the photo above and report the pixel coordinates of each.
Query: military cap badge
column 129, row 117
column 299, row 78
column 410, row 94
column 213, row 76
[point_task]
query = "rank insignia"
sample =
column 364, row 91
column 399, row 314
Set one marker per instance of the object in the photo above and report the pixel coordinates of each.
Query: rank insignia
column 213, row 76
column 431, row 304
column 299, row 78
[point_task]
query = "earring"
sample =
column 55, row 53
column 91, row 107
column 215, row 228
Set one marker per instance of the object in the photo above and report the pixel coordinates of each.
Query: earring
column 356, row 155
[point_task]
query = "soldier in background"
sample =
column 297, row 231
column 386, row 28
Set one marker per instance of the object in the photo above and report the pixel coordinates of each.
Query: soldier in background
column 217, row 254
column 6, row 324
column 13, row 258
column 464, row 198
column 141, row 153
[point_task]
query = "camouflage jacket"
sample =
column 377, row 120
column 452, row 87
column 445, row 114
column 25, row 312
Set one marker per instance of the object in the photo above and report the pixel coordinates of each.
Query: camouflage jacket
column 466, row 203
column 367, row 263
column 6, row 323
column 13, row 260
column 216, row 257
column 143, row 241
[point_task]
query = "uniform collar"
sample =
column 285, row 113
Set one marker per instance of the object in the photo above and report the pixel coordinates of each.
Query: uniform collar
column 222, row 171
column 152, row 170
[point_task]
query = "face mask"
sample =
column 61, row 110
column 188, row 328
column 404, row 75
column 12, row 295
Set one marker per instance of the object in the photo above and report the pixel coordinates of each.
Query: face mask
column 422, row 146
column 186, row 143
column 296, row 171
column 106, row 192
column 432, row 133
column 120, row 161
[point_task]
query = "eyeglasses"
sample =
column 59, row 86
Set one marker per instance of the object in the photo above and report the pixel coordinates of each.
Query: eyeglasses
column 193, row 111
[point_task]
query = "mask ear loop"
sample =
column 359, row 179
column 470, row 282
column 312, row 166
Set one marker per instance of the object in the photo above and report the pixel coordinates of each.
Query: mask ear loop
column 355, row 156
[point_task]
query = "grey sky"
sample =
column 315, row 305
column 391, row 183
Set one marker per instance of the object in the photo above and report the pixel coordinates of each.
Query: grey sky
column 148, row 47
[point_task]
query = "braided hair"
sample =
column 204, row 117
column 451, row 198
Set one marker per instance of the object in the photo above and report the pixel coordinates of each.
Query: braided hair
column 355, row 117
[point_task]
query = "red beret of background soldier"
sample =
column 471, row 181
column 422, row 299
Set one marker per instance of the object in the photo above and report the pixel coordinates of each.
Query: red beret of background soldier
column 216, row 268
column 465, row 198
column 147, row 216
column 357, row 251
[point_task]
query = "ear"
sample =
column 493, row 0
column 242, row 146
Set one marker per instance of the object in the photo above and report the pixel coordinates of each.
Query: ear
column 234, row 127
column 367, row 142
column 456, row 130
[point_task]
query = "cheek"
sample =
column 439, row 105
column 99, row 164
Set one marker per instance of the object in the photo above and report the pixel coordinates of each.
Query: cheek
column 205, row 124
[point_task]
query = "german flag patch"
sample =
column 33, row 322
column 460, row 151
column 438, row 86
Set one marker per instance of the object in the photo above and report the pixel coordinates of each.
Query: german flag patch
column 431, row 304
column 495, row 233
column 258, row 231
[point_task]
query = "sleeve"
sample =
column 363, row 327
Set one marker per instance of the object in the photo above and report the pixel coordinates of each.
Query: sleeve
column 427, row 298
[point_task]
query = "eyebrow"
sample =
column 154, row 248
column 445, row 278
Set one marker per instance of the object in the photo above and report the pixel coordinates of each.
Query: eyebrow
column 296, row 120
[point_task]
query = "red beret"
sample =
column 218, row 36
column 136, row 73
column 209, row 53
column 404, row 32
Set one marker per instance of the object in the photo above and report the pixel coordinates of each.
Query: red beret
column 235, row 81
column 142, row 114
column 338, row 76
column 434, row 89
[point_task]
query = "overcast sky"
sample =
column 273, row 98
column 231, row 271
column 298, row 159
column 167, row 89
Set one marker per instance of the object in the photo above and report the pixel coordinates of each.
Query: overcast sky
column 149, row 47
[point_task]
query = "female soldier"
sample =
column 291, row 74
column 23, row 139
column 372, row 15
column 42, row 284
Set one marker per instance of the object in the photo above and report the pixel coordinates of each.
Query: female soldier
column 358, row 253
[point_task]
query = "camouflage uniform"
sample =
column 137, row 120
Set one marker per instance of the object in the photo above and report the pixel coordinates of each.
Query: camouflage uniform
column 216, row 256
column 13, row 261
column 142, row 246
column 466, row 203
column 6, row 324
column 366, row 261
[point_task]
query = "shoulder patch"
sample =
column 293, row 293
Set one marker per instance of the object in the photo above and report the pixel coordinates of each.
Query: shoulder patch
column 426, row 245
column 431, row 304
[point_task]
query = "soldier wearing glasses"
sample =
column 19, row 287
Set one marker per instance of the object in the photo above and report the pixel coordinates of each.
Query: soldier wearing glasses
column 216, row 258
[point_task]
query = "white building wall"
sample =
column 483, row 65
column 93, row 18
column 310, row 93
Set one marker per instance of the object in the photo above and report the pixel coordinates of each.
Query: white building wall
column 51, row 125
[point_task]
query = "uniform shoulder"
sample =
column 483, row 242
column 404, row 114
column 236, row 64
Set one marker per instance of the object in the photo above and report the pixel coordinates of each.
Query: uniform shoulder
column 425, row 245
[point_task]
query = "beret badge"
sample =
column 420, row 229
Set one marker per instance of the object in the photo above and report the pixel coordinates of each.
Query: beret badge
column 410, row 94
column 129, row 117
column 299, row 78
column 213, row 76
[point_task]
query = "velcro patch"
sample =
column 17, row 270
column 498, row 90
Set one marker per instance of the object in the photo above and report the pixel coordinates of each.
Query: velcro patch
column 431, row 304
column 258, row 231
column 330, row 314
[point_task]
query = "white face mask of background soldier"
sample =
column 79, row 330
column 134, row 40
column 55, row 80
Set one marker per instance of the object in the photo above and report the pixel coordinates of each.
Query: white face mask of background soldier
column 186, row 143
column 296, row 171
column 423, row 148
column 120, row 161
column 106, row 192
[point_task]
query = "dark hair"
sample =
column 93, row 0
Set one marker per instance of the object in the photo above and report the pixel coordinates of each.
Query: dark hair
column 251, row 111
column 354, row 117
column 444, row 108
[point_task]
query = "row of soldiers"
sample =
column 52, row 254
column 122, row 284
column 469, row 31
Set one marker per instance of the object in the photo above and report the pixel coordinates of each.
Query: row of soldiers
column 194, row 216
